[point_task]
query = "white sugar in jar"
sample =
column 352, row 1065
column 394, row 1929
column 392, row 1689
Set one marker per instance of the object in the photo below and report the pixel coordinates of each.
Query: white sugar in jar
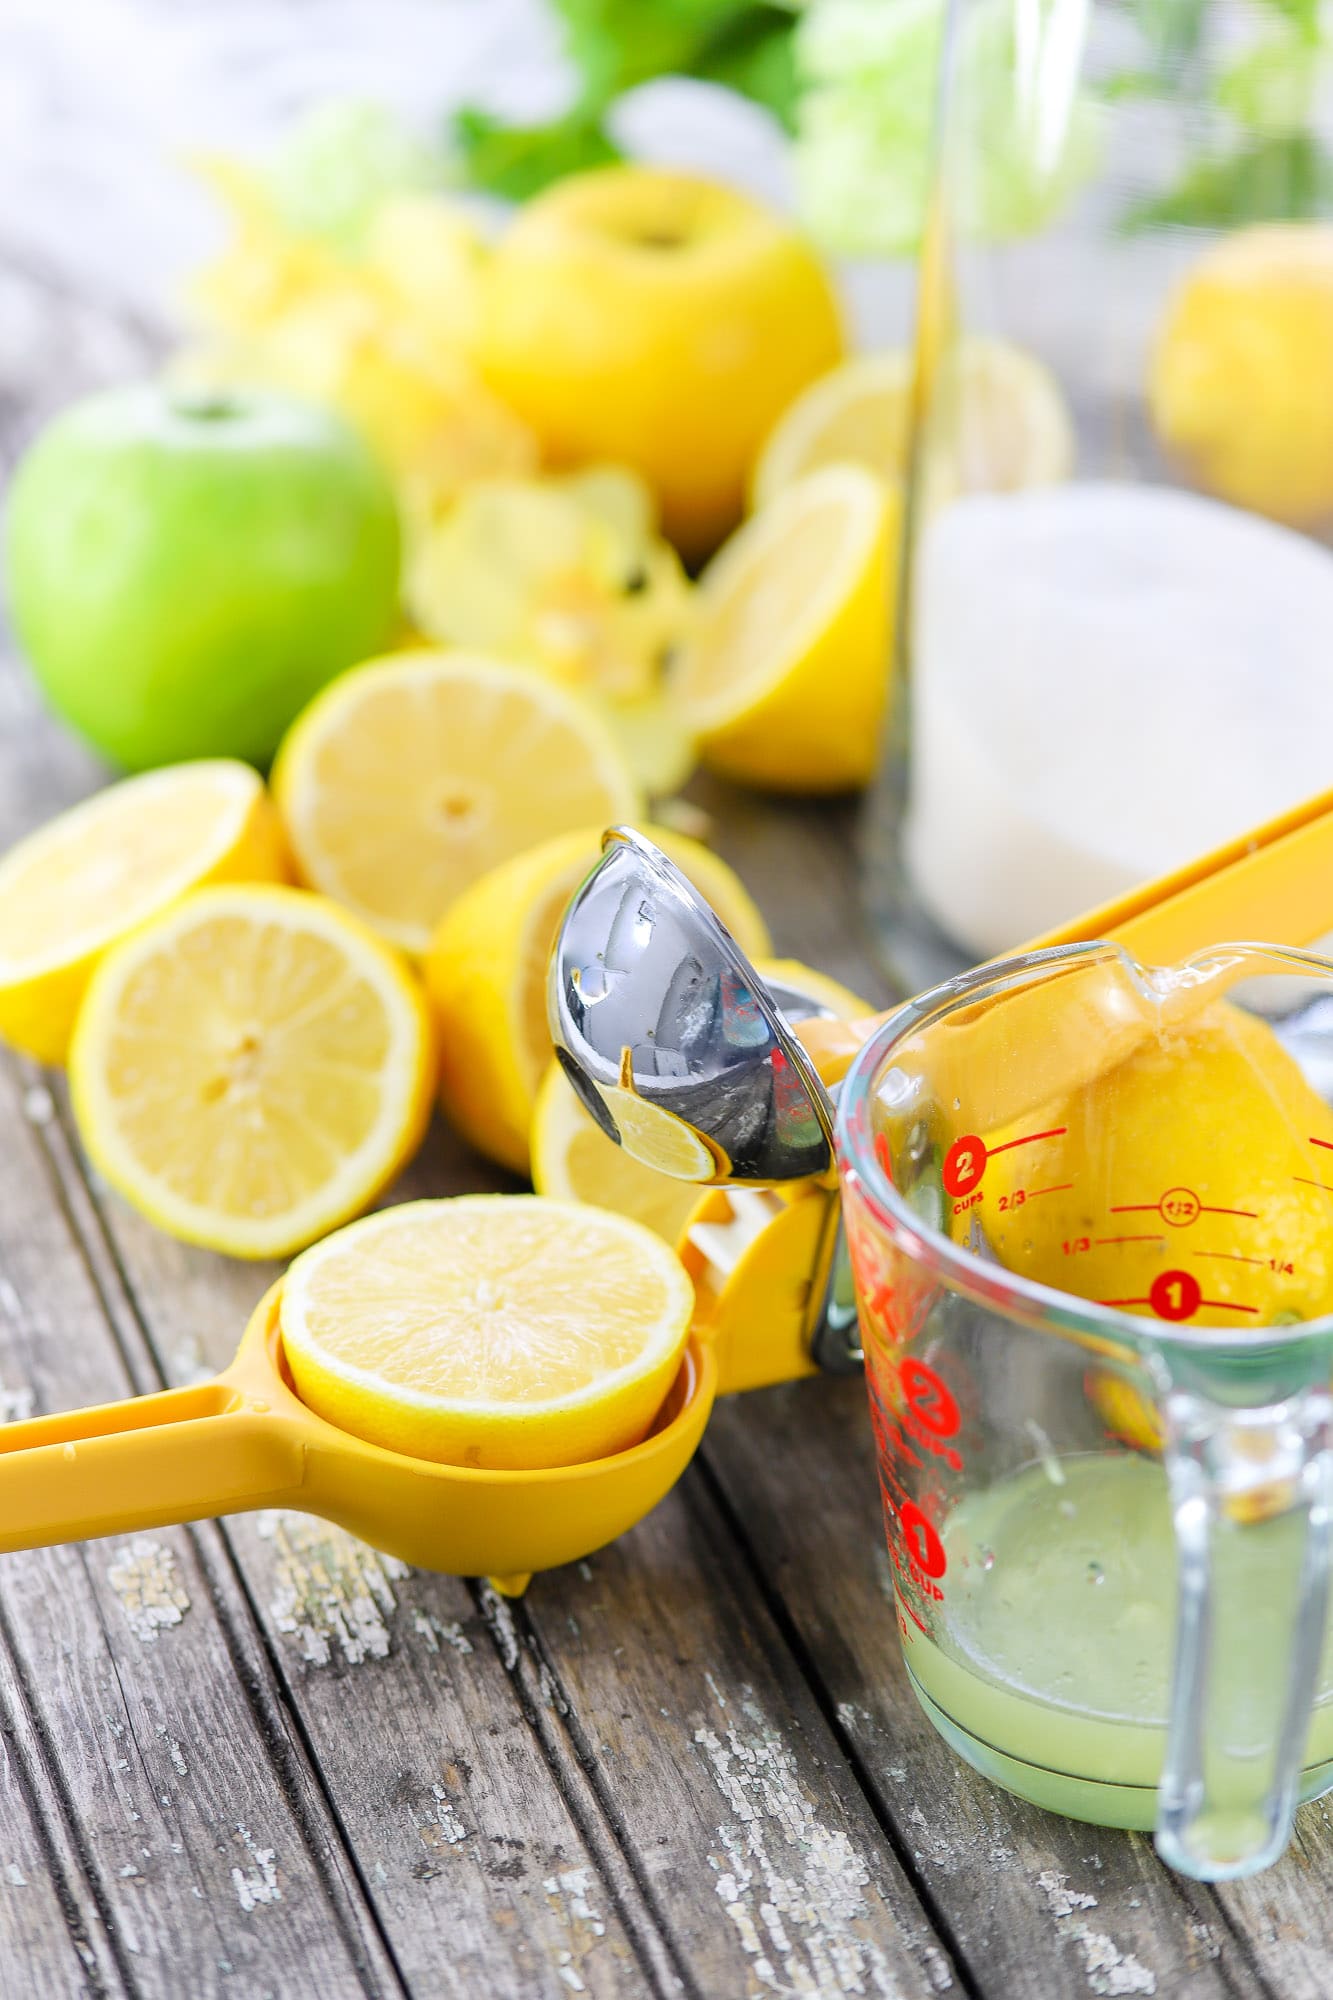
column 1107, row 680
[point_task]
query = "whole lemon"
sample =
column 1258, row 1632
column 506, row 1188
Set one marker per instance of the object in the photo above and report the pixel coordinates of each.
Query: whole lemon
column 1186, row 1182
column 1241, row 383
column 661, row 321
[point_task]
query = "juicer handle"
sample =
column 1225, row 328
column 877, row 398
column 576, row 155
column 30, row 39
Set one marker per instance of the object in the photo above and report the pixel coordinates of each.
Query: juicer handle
column 1252, row 1500
column 1274, row 882
column 180, row 1455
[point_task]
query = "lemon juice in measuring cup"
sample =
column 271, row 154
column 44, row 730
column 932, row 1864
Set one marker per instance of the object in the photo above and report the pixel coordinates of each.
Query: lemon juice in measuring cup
column 1054, row 1670
column 1090, row 1209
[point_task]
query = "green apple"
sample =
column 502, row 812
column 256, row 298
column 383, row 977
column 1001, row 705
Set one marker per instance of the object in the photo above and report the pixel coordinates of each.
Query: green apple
column 186, row 571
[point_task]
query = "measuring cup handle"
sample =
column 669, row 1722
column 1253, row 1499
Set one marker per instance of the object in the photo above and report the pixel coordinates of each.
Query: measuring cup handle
column 1252, row 1501
column 115, row 1468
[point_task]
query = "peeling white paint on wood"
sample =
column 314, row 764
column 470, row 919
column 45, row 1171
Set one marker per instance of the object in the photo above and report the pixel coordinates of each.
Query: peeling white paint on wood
column 942, row 1852
column 569, row 1894
column 331, row 1591
column 39, row 1106
column 793, row 1886
column 440, row 1632
column 174, row 1751
column 548, row 1689
column 499, row 1615
column 16, row 1405
column 1110, row 1972
column 143, row 1576
column 259, row 1882
column 15, row 1875
column 445, row 1828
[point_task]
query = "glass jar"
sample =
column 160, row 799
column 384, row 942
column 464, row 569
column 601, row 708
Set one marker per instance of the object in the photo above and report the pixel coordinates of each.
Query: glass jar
column 1115, row 646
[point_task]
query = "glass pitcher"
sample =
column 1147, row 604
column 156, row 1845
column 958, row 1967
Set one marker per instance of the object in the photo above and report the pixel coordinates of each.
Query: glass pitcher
column 1118, row 573
column 1090, row 1215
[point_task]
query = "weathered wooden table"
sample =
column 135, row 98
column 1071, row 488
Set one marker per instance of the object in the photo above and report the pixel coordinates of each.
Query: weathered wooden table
column 256, row 1758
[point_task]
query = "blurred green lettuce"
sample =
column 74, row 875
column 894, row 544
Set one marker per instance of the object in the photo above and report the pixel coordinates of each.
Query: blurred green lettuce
column 1022, row 131
column 614, row 46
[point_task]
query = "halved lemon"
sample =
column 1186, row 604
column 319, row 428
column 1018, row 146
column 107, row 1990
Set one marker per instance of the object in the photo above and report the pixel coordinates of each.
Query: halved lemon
column 783, row 681
column 252, row 1068
column 410, row 777
column 101, row 869
column 486, row 972
column 573, row 1159
column 491, row 1330
column 857, row 414
column 998, row 422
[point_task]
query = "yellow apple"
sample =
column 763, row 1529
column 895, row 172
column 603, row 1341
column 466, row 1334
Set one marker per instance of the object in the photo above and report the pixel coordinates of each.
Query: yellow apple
column 660, row 321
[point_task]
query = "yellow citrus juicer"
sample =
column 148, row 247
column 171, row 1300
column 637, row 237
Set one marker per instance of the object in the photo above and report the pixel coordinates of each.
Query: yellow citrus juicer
column 636, row 944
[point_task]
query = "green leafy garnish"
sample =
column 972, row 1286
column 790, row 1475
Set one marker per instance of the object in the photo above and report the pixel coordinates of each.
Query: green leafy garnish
column 615, row 45
column 339, row 163
column 1021, row 138
column 1289, row 178
column 516, row 161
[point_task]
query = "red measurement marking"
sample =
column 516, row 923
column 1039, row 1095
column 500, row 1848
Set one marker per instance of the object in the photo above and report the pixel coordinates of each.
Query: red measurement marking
column 1327, row 1144
column 1218, row 1305
column 964, row 1164
column 931, row 1398
column 1063, row 1188
column 1030, row 1138
column 1233, row 1255
column 1174, row 1295
column 1103, row 1241
column 1180, row 1206
column 1307, row 1183
column 1147, row 1207
column 923, row 1542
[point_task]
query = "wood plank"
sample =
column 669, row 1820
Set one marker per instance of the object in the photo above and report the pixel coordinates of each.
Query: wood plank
column 1034, row 1904
column 52, row 1940
column 739, row 1811
column 182, row 1791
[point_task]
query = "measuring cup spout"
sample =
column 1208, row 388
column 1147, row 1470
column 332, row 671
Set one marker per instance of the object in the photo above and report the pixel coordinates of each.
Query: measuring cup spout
column 117, row 1468
column 1252, row 1503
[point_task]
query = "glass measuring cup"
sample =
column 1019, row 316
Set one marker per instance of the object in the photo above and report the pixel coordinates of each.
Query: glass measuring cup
column 1090, row 1213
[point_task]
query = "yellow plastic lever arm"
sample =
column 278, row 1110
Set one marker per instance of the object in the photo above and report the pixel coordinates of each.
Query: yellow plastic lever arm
column 1273, row 885
column 119, row 1467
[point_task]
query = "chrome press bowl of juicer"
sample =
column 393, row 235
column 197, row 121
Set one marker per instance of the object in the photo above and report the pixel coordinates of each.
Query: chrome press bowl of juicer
column 685, row 1056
